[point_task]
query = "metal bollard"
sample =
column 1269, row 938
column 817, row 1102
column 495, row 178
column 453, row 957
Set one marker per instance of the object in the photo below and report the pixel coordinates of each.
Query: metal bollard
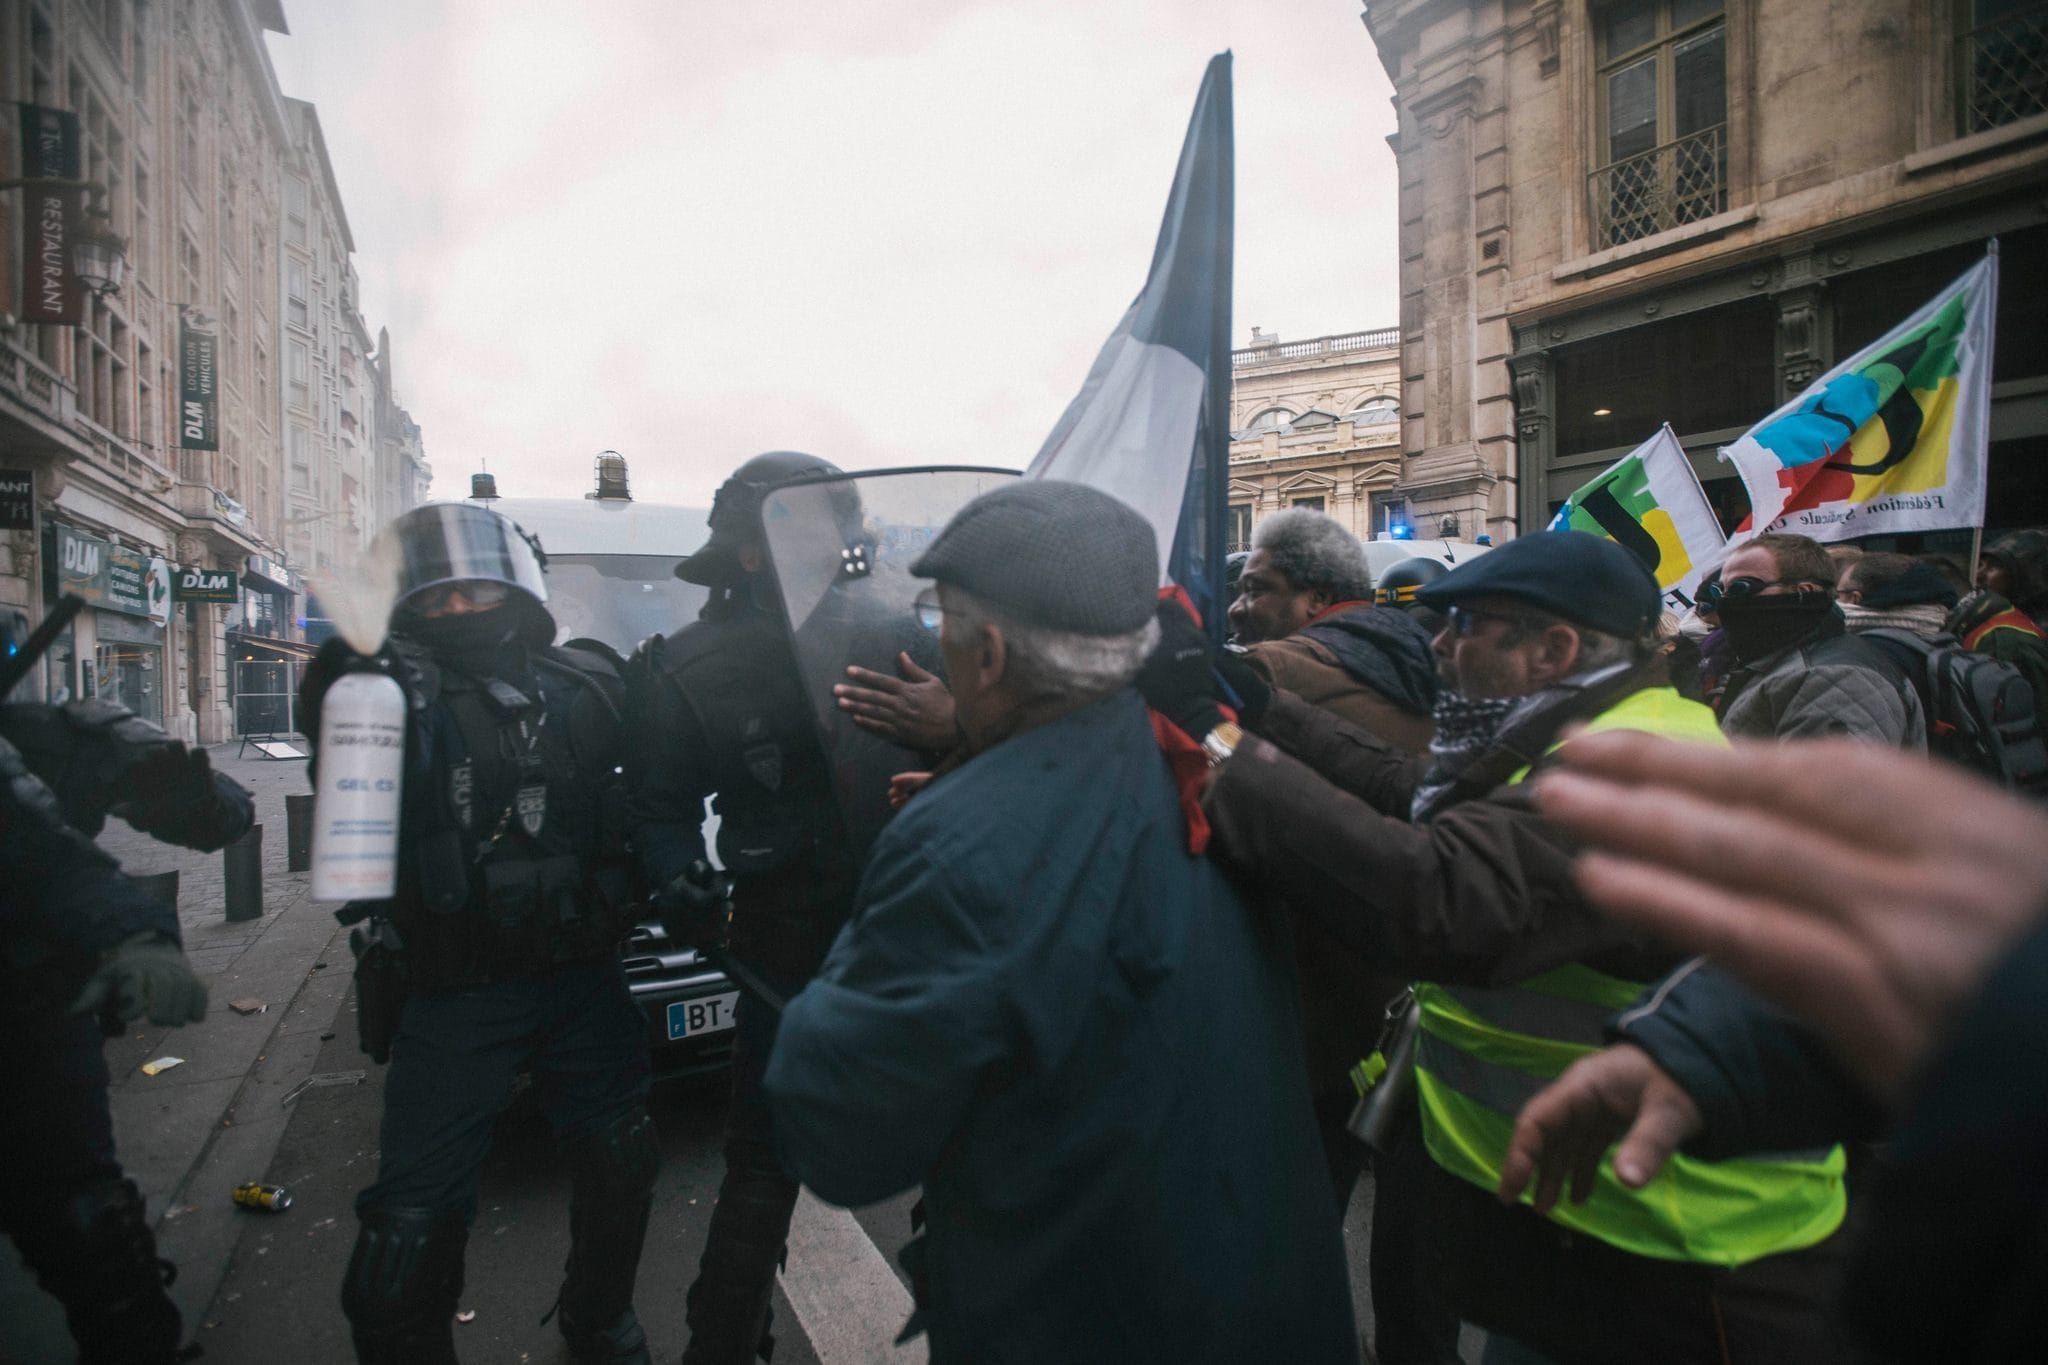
column 242, row 861
column 298, row 832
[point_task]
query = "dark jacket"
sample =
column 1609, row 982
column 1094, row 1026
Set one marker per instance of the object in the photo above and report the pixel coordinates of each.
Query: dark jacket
column 1831, row 683
column 1955, row 1253
column 1371, row 666
column 1314, row 812
column 1762, row 1080
column 63, row 903
column 1067, row 1028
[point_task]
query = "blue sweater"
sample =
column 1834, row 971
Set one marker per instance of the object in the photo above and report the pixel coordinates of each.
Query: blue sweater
column 1071, row 1031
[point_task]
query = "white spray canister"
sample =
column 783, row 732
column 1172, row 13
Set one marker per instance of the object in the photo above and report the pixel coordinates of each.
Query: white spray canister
column 355, row 809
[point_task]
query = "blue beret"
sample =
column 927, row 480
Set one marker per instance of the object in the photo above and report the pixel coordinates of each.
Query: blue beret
column 1583, row 578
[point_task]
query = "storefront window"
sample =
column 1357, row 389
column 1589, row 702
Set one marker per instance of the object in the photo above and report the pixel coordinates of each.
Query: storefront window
column 132, row 675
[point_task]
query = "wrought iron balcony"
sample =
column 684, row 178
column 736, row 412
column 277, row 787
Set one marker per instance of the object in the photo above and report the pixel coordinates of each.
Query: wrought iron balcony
column 1666, row 187
column 2002, row 74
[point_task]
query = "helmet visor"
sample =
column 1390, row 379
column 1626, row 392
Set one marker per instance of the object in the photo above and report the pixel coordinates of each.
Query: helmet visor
column 446, row 543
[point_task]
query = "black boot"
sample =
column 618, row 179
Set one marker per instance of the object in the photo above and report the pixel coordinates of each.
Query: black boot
column 402, row 1285
column 608, row 1207
column 730, row 1304
column 98, row 1258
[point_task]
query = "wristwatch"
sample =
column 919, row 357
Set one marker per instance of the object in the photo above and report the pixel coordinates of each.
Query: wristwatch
column 1220, row 743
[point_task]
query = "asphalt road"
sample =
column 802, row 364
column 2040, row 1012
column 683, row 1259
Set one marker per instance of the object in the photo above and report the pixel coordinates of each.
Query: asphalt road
column 280, row 1302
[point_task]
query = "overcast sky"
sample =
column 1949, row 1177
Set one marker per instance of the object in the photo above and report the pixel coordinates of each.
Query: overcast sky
column 888, row 232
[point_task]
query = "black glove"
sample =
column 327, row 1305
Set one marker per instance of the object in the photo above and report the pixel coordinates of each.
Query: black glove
column 1252, row 689
column 693, row 906
column 1177, row 680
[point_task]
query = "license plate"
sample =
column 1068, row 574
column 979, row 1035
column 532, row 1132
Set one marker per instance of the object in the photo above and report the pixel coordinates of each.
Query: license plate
column 708, row 1014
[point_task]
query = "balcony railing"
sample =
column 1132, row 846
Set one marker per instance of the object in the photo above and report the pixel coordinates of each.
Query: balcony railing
column 50, row 398
column 1384, row 338
column 1666, row 187
column 2002, row 74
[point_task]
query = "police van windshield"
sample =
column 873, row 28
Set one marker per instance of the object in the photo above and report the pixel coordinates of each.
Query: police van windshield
column 619, row 599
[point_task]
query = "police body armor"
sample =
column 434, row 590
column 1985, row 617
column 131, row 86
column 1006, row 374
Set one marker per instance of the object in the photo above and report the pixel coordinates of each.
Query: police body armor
column 780, row 831
column 517, row 860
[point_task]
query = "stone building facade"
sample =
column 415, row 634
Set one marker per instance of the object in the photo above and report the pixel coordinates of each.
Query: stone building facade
column 1316, row 423
column 185, row 134
column 1615, row 213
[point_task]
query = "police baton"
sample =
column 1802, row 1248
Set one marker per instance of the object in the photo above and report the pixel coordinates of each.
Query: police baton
column 23, row 656
column 701, row 889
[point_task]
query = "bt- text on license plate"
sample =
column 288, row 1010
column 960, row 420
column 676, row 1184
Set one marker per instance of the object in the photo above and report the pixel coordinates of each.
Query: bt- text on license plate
column 706, row 1014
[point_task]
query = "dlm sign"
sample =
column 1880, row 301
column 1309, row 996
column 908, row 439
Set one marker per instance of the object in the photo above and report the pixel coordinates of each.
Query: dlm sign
column 205, row 585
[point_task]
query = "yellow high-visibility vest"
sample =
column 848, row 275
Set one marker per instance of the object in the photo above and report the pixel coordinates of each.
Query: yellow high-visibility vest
column 1482, row 1053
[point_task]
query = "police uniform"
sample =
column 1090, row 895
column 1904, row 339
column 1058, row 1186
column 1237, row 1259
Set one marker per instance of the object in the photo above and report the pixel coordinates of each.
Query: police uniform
column 78, row 1222
column 723, row 714
column 515, row 890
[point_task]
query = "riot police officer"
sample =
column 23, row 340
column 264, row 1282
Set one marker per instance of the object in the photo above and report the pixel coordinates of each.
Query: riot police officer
column 1402, row 580
column 514, row 892
column 77, row 937
column 724, row 714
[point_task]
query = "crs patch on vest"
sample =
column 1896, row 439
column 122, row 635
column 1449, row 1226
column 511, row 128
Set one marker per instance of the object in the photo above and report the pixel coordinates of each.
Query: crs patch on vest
column 531, row 801
column 462, row 794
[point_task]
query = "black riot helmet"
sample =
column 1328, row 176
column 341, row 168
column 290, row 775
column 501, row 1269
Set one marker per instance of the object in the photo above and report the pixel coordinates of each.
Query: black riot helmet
column 1397, row 586
column 443, row 543
column 736, row 513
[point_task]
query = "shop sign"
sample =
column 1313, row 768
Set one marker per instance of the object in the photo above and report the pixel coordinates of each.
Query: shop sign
column 111, row 576
column 198, row 392
column 17, row 500
column 206, row 585
column 50, row 291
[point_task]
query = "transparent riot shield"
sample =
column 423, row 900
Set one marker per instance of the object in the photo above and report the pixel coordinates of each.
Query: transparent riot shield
column 841, row 548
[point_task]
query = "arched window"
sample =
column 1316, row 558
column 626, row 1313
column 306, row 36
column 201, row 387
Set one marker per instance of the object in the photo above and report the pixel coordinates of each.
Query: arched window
column 1376, row 412
column 1272, row 419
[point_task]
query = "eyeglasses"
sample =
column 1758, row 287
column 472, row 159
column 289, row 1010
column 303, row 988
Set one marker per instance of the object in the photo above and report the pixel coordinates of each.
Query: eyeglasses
column 1465, row 620
column 929, row 614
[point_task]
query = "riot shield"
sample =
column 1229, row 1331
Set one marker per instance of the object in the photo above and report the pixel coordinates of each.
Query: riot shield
column 841, row 547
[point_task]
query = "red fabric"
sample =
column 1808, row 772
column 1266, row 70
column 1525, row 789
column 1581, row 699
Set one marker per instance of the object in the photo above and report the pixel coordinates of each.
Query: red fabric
column 1190, row 769
column 1184, row 756
column 1334, row 608
column 2013, row 619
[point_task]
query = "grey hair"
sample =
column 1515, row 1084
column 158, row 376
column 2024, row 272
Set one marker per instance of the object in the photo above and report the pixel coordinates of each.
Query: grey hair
column 1597, row 649
column 1313, row 551
column 1043, row 662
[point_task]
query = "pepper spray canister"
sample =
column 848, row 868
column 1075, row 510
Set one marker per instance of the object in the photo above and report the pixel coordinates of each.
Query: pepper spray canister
column 355, row 805
column 275, row 1198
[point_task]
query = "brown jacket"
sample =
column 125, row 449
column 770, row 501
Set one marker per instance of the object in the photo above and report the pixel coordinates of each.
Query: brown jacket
column 1310, row 671
column 1482, row 894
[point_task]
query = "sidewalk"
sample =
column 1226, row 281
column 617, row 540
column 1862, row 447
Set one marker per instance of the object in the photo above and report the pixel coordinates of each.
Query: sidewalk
column 188, row 1135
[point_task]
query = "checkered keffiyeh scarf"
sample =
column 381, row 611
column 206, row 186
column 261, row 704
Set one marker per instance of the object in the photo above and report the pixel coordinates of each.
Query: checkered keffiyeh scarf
column 1465, row 727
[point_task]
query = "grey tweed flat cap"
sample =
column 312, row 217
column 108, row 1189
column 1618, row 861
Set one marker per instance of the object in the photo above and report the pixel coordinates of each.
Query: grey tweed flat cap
column 1051, row 554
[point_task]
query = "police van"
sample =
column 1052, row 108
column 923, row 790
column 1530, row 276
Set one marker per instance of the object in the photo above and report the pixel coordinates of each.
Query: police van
column 611, row 577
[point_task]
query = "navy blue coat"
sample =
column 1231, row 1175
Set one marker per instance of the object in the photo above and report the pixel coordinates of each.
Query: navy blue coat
column 1070, row 1031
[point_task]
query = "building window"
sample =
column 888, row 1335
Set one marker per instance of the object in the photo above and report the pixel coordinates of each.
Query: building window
column 1376, row 412
column 1240, row 527
column 1272, row 419
column 295, row 294
column 296, row 373
column 295, row 211
column 1390, row 517
column 1311, row 504
column 2003, row 67
column 1663, row 110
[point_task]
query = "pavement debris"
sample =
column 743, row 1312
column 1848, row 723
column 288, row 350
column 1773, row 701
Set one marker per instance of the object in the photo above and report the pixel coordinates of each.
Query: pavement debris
column 320, row 1078
column 248, row 1004
column 161, row 1064
column 466, row 1315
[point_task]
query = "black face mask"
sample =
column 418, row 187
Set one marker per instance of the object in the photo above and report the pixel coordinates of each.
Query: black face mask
column 1761, row 624
column 471, row 642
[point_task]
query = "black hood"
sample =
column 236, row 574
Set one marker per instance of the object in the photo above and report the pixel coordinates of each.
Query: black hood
column 1384, row 649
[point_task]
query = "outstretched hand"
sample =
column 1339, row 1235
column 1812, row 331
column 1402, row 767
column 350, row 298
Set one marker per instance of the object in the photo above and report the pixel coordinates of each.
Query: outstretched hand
column 1865, row 890
column 914, row 710
column 1617, row 1092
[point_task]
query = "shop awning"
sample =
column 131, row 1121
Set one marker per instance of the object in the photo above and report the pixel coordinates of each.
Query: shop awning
column 269, row 647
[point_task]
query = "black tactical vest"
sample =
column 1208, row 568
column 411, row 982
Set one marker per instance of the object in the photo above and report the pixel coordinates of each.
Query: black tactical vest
column 515, row 854
column 736, row 676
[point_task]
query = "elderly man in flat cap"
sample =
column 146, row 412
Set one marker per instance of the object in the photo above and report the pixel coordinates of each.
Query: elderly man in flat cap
column 1443, row 870
column 1052, row 1014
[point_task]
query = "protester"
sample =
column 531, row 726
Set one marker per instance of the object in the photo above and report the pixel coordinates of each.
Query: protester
column 1887, row 591
column 1023, row 1013
column 1922, row 959
column 2015, row 566
column 1452, row 877
column 1844, row 557
column 1798, row 671
column 1988, row 623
